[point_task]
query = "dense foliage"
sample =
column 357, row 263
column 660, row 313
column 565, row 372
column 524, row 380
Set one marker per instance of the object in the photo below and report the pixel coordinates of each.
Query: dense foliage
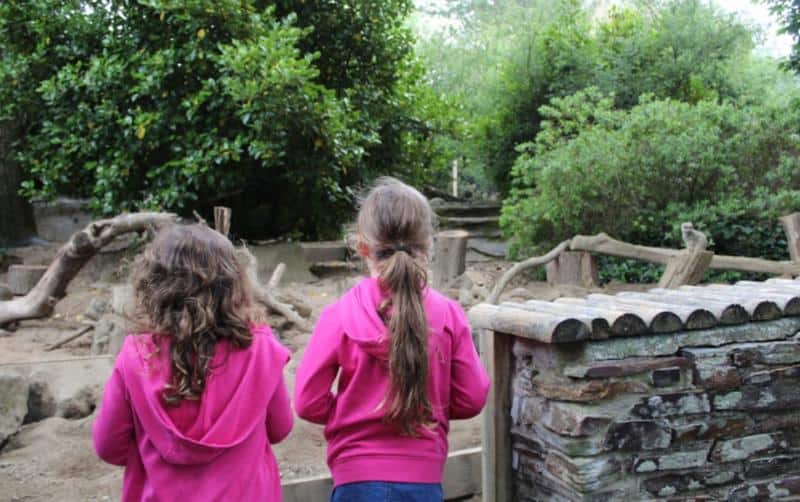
column 279, row 109
column 637, row 174
column 789, row 13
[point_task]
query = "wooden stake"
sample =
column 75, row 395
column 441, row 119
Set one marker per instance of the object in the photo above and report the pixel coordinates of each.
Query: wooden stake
column 222, row 219
column 791, row 225
column 688, row 267
column 573, row 267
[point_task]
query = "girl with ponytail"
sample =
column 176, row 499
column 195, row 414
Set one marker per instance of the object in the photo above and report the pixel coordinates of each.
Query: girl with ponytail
column 404, row 358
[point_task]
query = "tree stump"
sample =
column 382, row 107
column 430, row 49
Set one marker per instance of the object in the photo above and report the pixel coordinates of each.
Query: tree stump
column 449, row 257
column 687, row 267
column 22, row 278
column 791, row 225
column 573, row 267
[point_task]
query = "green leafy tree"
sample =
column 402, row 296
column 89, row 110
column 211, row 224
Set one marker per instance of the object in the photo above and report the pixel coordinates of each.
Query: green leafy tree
column 788, row 11
column 279, row 109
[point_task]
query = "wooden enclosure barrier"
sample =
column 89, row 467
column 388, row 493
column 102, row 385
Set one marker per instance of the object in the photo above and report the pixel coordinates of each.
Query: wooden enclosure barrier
column 461, row 480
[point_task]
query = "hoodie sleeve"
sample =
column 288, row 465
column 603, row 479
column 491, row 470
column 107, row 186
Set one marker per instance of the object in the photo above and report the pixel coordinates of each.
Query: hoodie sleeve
column 280, row 418
column 313, row 398
column 469, row 382
column 112, row 432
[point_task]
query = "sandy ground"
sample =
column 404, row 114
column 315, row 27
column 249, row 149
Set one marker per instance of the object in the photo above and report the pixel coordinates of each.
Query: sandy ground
column 53, row 459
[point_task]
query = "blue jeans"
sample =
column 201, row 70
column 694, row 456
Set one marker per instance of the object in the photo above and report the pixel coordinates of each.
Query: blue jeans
column 382, row 491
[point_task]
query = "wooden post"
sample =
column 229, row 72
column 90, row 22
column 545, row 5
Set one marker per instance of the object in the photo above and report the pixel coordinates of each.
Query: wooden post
column 688, row 267
column 455, row 178
column 449, row 257
column 573, row 267
column 791, row 225
column 496, row 425
column 22, row 278
column 222, row 219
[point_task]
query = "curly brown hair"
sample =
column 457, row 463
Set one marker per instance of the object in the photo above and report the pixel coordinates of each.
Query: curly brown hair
column 191, row 289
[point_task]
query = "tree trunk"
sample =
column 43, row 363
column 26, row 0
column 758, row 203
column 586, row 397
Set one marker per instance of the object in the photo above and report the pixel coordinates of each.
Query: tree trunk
column 16, row 224
column 449, row 257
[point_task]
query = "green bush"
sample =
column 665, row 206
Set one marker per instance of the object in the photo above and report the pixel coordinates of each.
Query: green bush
column 637, row 174
column 279, row 109
column 685, row 50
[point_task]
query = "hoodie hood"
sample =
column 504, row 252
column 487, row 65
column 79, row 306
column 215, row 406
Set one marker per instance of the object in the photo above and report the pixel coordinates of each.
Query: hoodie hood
column 234, row 401
column 363, row 325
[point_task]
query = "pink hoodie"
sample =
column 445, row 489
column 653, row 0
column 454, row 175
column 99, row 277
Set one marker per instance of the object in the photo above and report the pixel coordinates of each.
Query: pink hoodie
column 216, row 448
column 350, row 340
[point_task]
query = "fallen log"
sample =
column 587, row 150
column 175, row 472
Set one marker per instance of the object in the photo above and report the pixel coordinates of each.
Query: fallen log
column 604, row 244
column 72, row 256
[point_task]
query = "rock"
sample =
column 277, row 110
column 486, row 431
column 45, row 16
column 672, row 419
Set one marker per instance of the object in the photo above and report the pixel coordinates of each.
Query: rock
column 774, row 466
column 583, row 474
column 665, row 377
column 22, row 278
column 745, row 447
column 13, row 404
column 782, row 394
column 715, row 375
column 672, row 461
column 786, row 488
column 324, row 251
column 587, row 391
column 627, row 367
column 41, row 403
column 5, row 292
column 751, row 354
column 122, row 299
column 661, row 345
column 638, row 435
column 81, row 404
column 665, row 405
column 108, row 336
column 97, row 308
column 710, row 427
column 678, row 484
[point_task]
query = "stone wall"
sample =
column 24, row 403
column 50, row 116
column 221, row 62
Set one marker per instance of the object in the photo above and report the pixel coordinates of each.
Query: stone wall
column 700, row 414
column 633, row 419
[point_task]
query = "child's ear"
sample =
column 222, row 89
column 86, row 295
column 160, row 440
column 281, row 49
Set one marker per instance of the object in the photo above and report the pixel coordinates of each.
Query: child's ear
column 363, row 249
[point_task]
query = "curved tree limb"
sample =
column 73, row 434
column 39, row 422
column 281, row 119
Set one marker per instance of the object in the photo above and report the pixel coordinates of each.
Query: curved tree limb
column 518, row 268
column 69, row 260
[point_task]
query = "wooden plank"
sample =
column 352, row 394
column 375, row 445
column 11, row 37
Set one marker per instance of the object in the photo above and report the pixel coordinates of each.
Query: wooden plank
column 462, row 475
column 620, row 323
column 539, row 326
column 496, row 427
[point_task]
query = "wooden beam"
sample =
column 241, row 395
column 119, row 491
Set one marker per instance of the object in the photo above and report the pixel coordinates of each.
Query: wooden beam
column 539, row 326
column 461, row 479
column 604, row 244
column 496, row 427
column 222, row 219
